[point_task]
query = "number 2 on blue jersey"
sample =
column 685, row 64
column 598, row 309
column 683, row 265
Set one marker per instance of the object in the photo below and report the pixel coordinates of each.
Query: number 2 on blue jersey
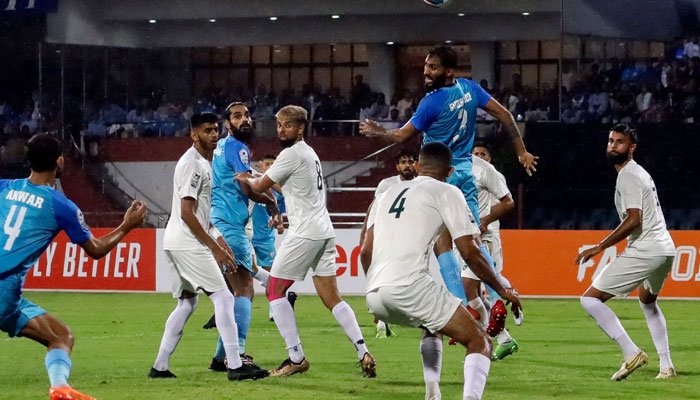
column 12, row 231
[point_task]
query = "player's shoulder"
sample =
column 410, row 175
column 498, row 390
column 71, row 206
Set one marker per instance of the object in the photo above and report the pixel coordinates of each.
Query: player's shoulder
column 436, row 96
column 61, row 203
column 632, row 171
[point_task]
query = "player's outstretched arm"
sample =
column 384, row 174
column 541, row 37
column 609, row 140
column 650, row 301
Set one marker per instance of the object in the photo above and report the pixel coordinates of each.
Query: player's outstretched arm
column 527, row 160
column 133, row 218
column 478, row 264
column 626, row 227
column 372, row 128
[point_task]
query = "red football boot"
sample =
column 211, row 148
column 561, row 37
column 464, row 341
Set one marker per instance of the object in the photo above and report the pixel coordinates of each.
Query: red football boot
column 67, row 393
column 497, row 321
column 474, row 314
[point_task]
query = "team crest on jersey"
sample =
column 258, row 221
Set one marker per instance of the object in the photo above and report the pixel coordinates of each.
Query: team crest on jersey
column 195, row 180
column 243, row 154
column 81, row 220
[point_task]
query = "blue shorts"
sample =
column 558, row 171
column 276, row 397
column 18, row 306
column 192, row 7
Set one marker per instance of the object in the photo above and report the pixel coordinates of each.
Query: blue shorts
column 238, row 241
column 463, row 178
column 15, row 311
column 265, row 253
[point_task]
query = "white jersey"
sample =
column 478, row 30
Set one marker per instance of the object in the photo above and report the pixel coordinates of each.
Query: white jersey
column 385, row 184
column 298, row 170
column 491, row 185
column 636, row 189
column 407, row 218
column 192, row 178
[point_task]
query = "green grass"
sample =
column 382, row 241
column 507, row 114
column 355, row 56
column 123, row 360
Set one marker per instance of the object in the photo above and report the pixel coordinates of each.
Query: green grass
column 563, row 354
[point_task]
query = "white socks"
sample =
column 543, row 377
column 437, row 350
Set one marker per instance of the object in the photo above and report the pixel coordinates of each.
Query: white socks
column 476, row 370
column 381, row 325
column 610, row 324
column 479, row 307
column 431, row 354
column 226, row 325
column 657, row 327
column 286, row 322
column 262, row 275
column 346, row 318
column 173, row 331
column 504, row 337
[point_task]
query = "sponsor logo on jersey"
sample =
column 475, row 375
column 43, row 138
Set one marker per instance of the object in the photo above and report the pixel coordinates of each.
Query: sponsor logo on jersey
column 81, row 220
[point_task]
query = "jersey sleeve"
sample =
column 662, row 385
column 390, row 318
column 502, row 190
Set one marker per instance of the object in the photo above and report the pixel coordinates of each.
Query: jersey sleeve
column 283, row 167
column 427, row 112
column 455, row 214
column 70, row 219
column 631, row 191
column 372, row 214
column 381, row 188
column 482, row 96
column 237, row 156
column 189, row 180
column 4, row 183
column 495, row 184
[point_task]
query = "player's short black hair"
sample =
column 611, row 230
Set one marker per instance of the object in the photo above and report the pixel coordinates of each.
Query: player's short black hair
column 627, row 130
column 198, row 120
column 42, row 152
column 436, row 154
column 227, row 110
column 405, row 152
column 481, row 143
column 268, row 157
column 446, row 54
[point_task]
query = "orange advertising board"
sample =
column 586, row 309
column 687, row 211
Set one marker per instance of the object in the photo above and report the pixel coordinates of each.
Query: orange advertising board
column 541, row 262
column 130, row 266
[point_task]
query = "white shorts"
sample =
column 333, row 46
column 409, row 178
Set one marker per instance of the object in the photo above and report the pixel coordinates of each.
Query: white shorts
column 297, row 255
column 625, row 273
column 496, row 252
column 425, row 303
column 194, row 270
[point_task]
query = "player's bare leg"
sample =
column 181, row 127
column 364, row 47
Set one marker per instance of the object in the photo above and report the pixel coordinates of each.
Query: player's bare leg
column 58, row 339
column 656, row 322
column 327, row 289
column 592, row 301
column 464, row 329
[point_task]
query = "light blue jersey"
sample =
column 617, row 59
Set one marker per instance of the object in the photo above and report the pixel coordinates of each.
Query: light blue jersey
column 229, row 206
column 263, row 235
column 32, row 215
column 448, row 115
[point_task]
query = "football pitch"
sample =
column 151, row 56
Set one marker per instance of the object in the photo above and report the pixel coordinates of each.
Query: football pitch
column 563, row 354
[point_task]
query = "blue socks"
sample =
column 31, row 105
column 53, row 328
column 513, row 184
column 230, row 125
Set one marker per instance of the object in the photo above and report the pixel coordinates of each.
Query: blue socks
column 242, row 310
column 450, row 271
column 492, row 293
column 58, row 366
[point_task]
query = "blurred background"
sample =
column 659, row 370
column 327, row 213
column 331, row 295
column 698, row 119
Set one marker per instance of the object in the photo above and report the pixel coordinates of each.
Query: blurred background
column 118, row 80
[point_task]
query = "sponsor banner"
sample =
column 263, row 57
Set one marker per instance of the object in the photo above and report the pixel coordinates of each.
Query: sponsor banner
column 537, row 262
column 130, row 266
column 541, row 263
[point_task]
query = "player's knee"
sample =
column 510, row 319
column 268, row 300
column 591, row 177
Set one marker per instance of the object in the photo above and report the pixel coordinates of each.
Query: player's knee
column 188, row 305
column 62, row 337
column 480, row 343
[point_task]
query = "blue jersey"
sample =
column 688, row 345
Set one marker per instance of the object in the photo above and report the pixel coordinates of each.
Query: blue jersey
column 448, row 115
column 228, row 203
column 32, row 215
column 262, row 233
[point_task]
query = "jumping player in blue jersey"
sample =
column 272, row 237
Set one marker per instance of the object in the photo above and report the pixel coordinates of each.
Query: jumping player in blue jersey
column 33, row 213
column 229, row 214
column 447, row 114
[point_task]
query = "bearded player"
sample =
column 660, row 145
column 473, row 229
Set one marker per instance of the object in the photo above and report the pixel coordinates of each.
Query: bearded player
column 447, row 114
